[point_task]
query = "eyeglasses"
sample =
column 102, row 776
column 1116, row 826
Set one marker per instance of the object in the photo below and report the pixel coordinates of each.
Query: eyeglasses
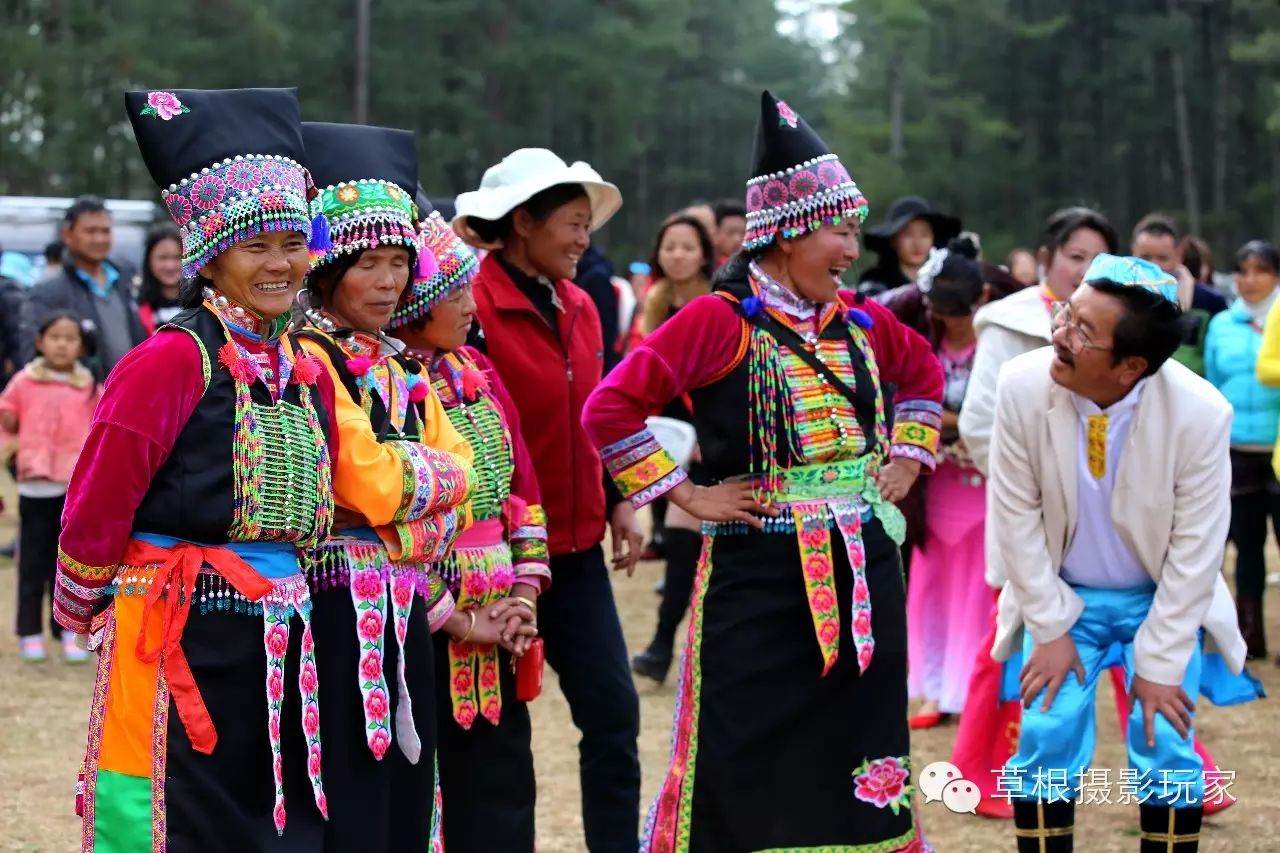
column 1077, row 339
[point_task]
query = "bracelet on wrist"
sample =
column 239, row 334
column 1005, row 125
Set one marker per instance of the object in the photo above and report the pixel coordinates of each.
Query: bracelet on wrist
column 470, row 627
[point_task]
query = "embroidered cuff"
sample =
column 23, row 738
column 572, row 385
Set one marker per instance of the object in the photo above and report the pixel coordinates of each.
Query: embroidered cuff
column 425, row 540
column 641, row 468
column 433, row 480
column 440, row 603
column 529, row 554
column 924, row 412
column 83, row 571
column 916, row 431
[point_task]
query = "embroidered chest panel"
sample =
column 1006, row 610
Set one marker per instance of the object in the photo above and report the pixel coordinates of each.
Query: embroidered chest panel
column 483, row 428
column 824, row 422
column 280, row 459
column 278, row 494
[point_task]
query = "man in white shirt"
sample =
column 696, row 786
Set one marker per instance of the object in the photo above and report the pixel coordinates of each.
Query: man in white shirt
column 1107, row 517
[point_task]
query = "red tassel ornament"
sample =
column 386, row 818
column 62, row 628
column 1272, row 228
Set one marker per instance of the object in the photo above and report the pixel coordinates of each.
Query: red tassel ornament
column 241, row 368
column 306, row 369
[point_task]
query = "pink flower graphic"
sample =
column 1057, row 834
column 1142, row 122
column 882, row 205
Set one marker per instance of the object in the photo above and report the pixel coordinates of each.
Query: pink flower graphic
column 275, row 686
column 864, row 655
column 309, row 680
column 311, row 721
column 862, row 624
column 786, row 115
column 882, row 783
column 379, row 742
column 860, row 592
column 322, row 803
column 313, row 761
column 308, row 642
column 822, row 600
column 376, row 705
column 277, row 640
column 273, row 726
column 817, row 567
column 402, row 593
column 369, row 625
column 462, row 681
column 367, row 585
column 475, row 586
column 278, row 815
column 165, row 105
column 488, row 677
column 371, row 666
column 828, row 633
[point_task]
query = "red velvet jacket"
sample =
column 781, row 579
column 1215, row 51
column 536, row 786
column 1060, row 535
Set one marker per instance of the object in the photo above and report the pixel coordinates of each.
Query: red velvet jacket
column 550, row 378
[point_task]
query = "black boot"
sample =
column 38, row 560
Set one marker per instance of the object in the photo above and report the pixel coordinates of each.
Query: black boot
column 653, row 663
column 1044, row 827
column 1250, row 619
column 1166, row 830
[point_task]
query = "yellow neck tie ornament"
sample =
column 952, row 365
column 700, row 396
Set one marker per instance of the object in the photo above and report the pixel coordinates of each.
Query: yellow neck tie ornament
column 1097, row 446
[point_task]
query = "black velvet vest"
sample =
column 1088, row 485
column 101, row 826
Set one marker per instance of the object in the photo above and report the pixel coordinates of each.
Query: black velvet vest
column 721, row 410
column 193, row 495
column 379, row 417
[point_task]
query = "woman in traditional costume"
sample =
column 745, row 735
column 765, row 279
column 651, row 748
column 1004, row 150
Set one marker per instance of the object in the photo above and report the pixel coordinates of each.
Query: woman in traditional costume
column 790, row 729
column 500, row 564
column 206, row 468
column 401, row 480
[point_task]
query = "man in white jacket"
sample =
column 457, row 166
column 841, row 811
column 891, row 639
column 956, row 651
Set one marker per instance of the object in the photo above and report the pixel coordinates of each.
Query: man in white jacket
column 1108, row 508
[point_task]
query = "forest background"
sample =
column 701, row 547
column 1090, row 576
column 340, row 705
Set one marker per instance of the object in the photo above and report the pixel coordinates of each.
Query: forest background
column 997, row 110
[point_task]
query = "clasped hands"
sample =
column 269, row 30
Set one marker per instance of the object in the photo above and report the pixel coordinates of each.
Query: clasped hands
column 510, row 622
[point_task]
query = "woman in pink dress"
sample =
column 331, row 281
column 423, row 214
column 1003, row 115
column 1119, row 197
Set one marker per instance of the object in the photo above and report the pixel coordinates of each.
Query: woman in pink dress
column 948, row 602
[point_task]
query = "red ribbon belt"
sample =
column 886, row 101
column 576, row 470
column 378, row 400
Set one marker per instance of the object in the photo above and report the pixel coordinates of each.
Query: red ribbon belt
column 179, row 568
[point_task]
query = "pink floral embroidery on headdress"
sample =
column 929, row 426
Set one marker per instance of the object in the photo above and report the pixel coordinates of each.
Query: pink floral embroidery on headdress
column 164, row 104
column 786, row 115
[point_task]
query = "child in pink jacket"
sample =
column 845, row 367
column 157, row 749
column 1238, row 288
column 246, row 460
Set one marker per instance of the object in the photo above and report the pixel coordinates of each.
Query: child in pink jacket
column 48, row 405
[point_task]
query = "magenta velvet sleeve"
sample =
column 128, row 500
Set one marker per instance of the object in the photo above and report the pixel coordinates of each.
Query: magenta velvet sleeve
column 146, row 402
column 701, row 343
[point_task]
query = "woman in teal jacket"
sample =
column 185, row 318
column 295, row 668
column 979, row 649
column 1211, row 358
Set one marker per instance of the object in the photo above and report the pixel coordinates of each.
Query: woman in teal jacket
column 1230, row 361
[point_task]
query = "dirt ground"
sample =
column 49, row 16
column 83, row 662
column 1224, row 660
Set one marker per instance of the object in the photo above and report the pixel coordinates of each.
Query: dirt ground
column 43, row 709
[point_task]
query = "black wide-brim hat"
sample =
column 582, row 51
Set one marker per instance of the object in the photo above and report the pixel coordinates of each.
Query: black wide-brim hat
column 367, row 178
column 900, row 214
column 229, row 163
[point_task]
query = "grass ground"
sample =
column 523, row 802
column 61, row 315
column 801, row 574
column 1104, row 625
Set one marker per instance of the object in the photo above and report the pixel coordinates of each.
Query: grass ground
column 43, row 709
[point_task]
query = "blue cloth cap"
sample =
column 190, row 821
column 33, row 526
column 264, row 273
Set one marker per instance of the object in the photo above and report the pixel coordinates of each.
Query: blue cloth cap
column 1133, row 272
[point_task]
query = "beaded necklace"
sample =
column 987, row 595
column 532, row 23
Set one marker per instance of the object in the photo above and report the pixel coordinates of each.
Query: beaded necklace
column 373, row 362
column 474, row 415
column 285, row 494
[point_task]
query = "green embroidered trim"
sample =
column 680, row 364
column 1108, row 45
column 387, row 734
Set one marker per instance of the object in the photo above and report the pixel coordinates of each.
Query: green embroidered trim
column 356, row 198
column 204, row 354
column 482, row 427
column 84, row 570
column 887, row 846
column 285, row 494
column 842, row 479
column 287, row 480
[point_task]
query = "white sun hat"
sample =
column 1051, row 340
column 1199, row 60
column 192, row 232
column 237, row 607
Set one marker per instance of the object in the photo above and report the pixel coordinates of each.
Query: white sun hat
column 523, row 174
